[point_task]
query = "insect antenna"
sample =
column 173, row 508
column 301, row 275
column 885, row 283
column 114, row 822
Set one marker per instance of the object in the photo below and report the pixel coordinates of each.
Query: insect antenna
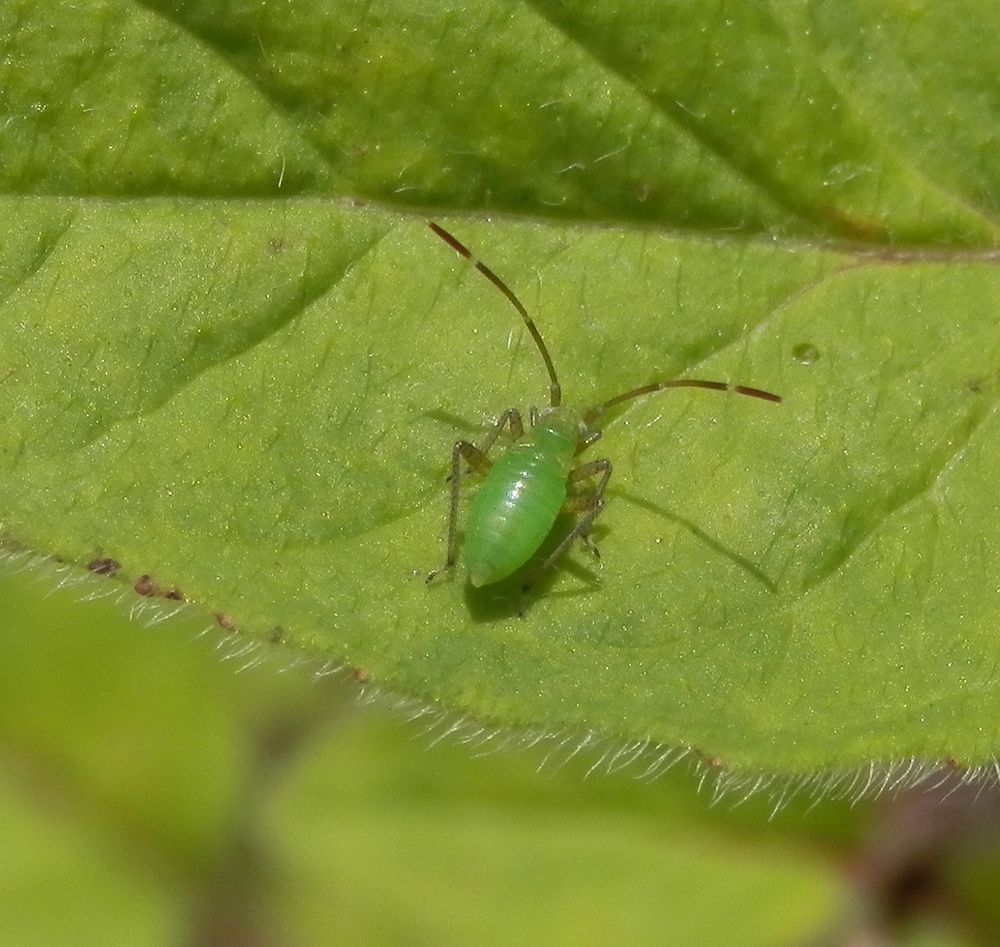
column 555, row 390
column 595, row 412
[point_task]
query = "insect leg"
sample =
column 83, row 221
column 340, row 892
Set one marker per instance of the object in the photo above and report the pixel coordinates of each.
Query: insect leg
column 589, row 506
column 512, row 419
column 477, row 461
column 589, row 438
column 591, row 469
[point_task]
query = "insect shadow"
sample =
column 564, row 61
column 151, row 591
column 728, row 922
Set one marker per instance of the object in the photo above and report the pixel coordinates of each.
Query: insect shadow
column 711, row 542
column 511, row 539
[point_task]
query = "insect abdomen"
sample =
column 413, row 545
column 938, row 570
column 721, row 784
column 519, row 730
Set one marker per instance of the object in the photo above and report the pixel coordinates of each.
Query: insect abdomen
column 512, row 513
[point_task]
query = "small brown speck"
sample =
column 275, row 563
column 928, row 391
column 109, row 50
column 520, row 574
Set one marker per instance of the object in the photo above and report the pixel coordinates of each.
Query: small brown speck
column 224, row 620
column 145, row 585
column 175, row 595
column 103, row 566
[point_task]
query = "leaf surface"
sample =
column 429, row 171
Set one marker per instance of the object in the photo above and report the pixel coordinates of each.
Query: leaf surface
column 233, row 358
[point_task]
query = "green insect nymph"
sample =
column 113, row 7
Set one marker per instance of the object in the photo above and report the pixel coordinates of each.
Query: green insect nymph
column 519, row 500
column 525, row 490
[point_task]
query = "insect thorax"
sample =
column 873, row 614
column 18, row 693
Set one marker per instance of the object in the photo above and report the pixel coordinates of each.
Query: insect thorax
column 557, row 431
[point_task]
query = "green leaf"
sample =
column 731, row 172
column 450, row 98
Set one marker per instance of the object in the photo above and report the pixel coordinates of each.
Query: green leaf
column 233, row 358
column 166, row 808
column 571, row 856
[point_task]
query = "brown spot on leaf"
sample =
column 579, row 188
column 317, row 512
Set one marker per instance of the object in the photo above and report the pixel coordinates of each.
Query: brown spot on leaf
column 145, row 585
column 103, row 566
